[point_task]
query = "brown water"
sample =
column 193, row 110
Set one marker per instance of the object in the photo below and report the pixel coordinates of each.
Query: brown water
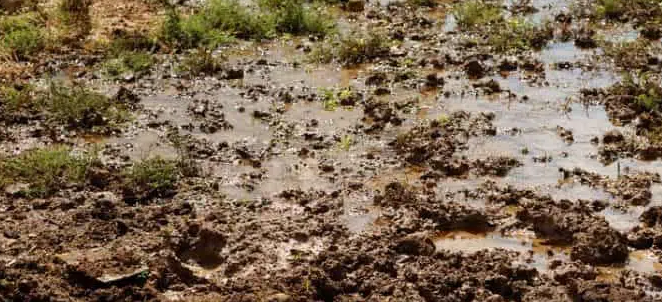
column 536, row 254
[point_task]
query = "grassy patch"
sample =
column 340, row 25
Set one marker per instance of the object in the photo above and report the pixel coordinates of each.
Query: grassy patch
column 503, row 34
column 422, row 3
column 62, row 105
column 351, row 49
column 630, row 55
column 45, row 170
column 129, row 61
column 151, row 178
column 640, row 11
column 294, row 17
column 75, row 17
column 329, row 99
column 21, row 36
column 644, row 88
column 610, row 8
column 517, row 34
column 78, row 107
column 18, row 103
column 201, row 61
column 476, row 13
column 220, row 21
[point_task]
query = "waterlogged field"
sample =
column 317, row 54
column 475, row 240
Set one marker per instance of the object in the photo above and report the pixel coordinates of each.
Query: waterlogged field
column 336, row 150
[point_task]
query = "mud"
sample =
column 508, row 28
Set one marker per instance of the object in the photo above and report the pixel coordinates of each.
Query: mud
column 438, row 170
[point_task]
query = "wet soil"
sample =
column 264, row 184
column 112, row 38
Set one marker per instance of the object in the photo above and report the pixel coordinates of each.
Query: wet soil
column 449, row 173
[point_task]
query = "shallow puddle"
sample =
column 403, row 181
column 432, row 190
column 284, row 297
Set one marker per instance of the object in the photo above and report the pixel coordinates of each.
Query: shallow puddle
column 536, row 254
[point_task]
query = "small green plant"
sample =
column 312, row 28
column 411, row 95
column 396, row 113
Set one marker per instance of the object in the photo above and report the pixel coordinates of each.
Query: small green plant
column 151, row 178
column 329, row 99
column 130, row 61
column 360, row 48
column 419, row 3
column 16, row 102
column 443, row 120
column 45, row 170
column 518, row 34
column 629, row 55
column 130, row 42
column 476, row 13
column 351, row 49
column 78, row 107
column 346, row 142
column 610, row 8
column 75, row 16
column 215, row 24
column 201, row 61
column 20, row 36
column 293, row 17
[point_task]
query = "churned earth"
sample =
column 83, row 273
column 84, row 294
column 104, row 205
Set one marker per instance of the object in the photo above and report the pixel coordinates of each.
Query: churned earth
column 353, row 151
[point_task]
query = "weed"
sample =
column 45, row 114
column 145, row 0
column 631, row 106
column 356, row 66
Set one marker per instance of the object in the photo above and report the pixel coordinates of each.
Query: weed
column 329, row 99
column 17, row 102
column 641, row 12
column 45, row 170
column 130, row 61
column 610, row 8
column 293, row 17
column 201, row 61
column 222, row 20
column 20, row 36
column 443, row 120
column 630, row 55
column 75, row 15
column 646, row 89
column 130, row 42
column 476, row 13
column 351, row 49
column 517, row 34
column 78, row 107
column 215, row 24
column 346, row 142
column 419, row 3
column 151, row 178
column 355, row 49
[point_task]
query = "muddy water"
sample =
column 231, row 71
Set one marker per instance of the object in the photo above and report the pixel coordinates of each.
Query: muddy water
column 536, row 254
column 525, row 121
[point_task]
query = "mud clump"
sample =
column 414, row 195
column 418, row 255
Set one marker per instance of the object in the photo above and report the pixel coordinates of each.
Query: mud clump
column 593, row 240
column 436, row 143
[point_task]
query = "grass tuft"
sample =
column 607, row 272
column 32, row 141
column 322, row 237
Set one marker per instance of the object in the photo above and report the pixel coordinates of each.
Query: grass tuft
column 201, row 61
column 518, row 34
column 44, row 170
column 151, row 178
column 76, row 18
column 351, row 49
column 476, row 13
column 21, row 36
column 77, row 107
column 128, row 61
column 220, row 21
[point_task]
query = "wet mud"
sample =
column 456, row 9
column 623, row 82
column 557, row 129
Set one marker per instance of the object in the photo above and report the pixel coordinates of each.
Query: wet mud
column 439, row 170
